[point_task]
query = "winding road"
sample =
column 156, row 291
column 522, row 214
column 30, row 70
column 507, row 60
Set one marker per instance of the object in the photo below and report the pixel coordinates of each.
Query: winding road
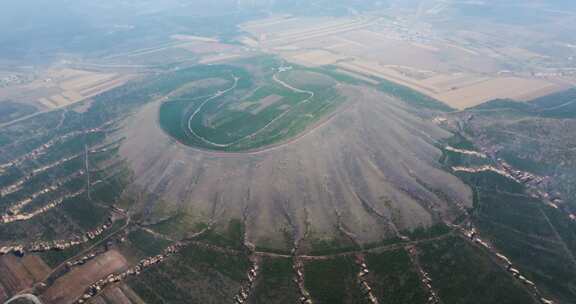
column 216, row 95
column 30, row 297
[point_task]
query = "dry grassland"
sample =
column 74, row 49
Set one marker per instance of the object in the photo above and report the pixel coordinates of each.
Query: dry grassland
column 287, row 25
column 212, row 51
column 461, row 91
column 384, row 72
column 447, row 82
column 300, row 32
column 315, row 58
column 201, row 47
column 502, row 87
column 60, row 87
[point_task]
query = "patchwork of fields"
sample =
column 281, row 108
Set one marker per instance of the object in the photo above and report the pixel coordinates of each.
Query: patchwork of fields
column 462, row 76
column 59, row 87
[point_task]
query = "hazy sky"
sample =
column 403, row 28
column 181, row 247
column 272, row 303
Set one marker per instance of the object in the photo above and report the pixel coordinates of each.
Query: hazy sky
column 36, row 28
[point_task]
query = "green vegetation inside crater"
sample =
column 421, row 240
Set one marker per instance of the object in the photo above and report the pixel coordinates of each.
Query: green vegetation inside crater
column 246, row 106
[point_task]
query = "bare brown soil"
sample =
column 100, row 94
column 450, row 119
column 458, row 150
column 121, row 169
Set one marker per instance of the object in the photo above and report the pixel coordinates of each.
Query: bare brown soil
column 72, row 285
column 17, row 274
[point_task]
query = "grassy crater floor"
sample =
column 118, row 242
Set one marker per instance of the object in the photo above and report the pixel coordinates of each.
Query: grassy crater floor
column 246, row 105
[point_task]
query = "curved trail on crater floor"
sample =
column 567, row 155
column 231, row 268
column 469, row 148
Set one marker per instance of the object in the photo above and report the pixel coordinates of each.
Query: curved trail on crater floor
column 27, row 296
column 216, row 95
column 275, row 146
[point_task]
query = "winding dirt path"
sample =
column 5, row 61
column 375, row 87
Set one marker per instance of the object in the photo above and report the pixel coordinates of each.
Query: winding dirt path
column 216, row 95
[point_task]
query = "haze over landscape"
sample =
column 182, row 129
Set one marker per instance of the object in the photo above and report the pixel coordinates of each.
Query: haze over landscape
column 288, row 151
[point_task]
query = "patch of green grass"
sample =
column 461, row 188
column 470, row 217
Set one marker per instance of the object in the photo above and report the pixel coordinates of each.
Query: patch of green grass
column 330, row 246
column 231, row 265
column 524, row 163
column 516, row 224
column 147, row 243
column 333, row 281
column 179, row 226
column 435, row 230
column 463, row 274
column 145, row 292
column 565, row 227
column 155, row 287
column 195, row 275
column 56, row 257
column 110, row 190
column 393, row 278
column 232, row 236
column 275, row 284
column 85, row 213
column 12, row 110
column 521, row 213
column 4, row 140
